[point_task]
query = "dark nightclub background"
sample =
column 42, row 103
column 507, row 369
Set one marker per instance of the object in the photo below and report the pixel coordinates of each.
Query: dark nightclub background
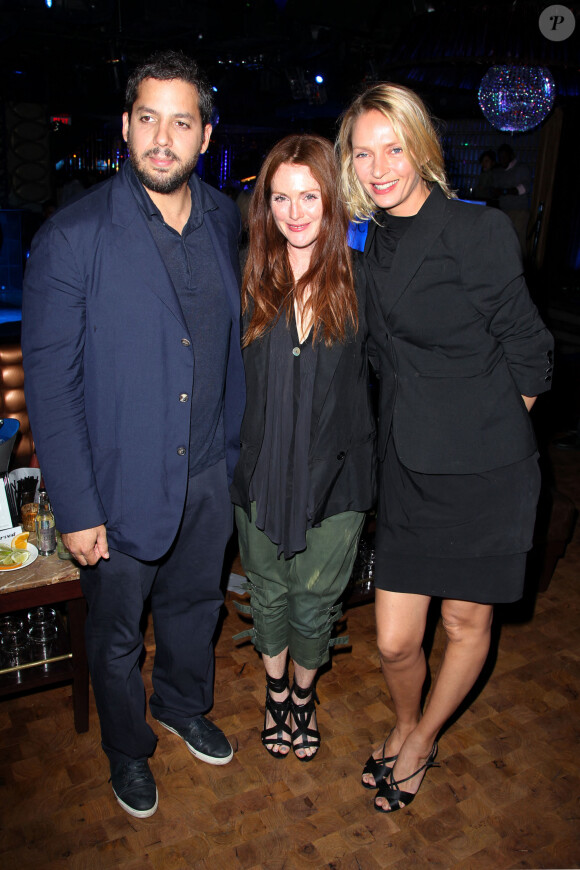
column 279, row 66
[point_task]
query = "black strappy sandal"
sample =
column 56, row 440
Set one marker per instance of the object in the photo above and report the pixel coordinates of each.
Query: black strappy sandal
column 378, row 768
column 391, row 791
column 278, row 733
column 302, row 715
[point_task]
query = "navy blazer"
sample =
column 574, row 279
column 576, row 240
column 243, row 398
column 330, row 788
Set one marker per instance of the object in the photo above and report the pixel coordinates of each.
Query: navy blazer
column 458, row 341
column 341, row 456
column 106, row 356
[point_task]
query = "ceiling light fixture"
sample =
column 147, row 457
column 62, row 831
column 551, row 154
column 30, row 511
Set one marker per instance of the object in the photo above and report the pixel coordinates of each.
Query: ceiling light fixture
column 516, row 98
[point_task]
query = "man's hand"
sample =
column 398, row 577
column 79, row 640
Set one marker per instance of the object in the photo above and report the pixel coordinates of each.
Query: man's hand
column 87, row 546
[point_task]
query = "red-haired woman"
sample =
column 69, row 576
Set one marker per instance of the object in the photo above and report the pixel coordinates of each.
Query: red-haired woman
column 306, row 472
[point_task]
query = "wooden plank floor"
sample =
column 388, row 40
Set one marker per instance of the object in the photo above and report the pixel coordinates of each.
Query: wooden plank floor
column 506, row 795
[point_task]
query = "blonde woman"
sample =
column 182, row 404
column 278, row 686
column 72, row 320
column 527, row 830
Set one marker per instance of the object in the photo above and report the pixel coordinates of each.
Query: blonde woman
column 462, row 354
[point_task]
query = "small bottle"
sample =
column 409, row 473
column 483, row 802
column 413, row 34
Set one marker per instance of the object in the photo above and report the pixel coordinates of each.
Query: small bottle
column 45, row 527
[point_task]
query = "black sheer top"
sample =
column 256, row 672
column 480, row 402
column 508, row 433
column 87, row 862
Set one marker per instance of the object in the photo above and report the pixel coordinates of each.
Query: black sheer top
column 280, row 482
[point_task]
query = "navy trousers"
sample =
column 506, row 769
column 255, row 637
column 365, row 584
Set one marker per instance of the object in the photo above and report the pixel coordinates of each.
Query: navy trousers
column 185, row 601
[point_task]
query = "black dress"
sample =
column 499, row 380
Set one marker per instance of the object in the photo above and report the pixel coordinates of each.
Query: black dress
column 461, row 536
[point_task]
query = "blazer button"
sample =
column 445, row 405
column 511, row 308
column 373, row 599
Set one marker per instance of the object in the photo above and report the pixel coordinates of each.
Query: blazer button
column 548, row 378
column 340, row 456
column 185, row 342
column 183, row 397
column 181, row 451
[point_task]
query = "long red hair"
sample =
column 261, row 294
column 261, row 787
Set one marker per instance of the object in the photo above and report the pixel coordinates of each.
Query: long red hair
column 269, row 287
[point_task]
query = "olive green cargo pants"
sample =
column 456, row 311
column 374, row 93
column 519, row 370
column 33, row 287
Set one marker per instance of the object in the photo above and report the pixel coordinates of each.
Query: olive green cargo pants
column 293, row 601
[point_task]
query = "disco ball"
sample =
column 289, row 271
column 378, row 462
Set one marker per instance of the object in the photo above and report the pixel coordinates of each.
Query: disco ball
column 516, row 98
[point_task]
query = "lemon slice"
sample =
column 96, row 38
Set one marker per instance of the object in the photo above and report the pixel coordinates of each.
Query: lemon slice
column 12, row 558
column 5, row 556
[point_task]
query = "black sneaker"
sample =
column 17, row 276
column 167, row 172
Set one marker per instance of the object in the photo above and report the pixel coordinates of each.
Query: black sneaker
column 134, row 787
column 203, row 739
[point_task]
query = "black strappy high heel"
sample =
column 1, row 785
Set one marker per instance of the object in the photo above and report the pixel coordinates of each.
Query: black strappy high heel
column 378, row 768
column 391, row 791
column 278, row 733
column 302, row 715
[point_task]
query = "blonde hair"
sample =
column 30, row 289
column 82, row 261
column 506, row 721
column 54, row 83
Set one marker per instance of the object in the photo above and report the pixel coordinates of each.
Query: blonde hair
column 412, row 124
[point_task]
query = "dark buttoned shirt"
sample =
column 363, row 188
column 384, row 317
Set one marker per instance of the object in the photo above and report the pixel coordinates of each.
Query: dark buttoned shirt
column 191, row 261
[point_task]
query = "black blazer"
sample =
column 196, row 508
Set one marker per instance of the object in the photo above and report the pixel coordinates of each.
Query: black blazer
column 342, row 435
column 458, row 341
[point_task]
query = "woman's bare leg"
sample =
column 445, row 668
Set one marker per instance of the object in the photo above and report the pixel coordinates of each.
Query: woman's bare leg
column 401, row 620
column 468, row 628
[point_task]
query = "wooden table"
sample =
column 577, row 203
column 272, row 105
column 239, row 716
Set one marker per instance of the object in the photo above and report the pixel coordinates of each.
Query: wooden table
column 49, row 581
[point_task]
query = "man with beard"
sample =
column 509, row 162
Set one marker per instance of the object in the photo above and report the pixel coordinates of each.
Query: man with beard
column 135, row 388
